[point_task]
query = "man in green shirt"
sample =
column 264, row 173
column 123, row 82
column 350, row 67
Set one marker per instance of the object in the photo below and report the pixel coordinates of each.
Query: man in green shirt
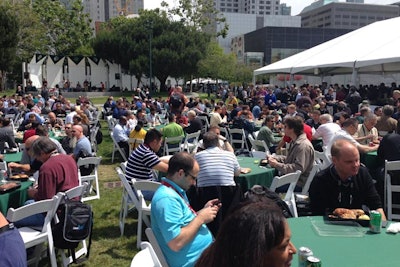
column 172, row 129
column 266, row 134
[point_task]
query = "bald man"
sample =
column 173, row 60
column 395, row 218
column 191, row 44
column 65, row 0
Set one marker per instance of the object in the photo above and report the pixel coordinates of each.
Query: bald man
column 83, row 147
column 345, row 184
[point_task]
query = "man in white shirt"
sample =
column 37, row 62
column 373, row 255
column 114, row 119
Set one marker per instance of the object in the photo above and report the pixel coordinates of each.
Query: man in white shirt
column 349, row 128
column 216, row 118
column 326, row 130
column 121, row 135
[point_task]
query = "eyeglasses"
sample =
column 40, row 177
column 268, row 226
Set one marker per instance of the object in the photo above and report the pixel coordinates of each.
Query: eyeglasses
column 191, row 175
column 67, row 128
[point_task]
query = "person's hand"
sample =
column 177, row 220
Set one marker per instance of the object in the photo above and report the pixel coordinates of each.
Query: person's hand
column 272, row 162
column 32, row 192
column 213, row 202
column 12, row 165
column 208, row 214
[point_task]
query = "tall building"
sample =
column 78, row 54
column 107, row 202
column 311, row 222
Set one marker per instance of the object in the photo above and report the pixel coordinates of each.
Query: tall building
column 255, row 7
column 341, row 15
column 104, row 10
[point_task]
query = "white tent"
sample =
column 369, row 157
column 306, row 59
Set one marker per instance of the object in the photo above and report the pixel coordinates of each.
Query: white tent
column 54, row 73
column 370, row 49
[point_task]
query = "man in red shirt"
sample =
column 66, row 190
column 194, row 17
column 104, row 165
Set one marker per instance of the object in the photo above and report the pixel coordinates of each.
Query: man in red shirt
column 58, row 173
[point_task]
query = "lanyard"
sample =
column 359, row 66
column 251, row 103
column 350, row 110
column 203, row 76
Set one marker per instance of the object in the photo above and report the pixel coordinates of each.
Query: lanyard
column 186, row 202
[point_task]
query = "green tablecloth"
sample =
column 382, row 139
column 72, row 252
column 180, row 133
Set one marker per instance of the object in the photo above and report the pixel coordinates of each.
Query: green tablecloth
column 258, row 175
column 14, row 199
column 158, row 127
column 13, row 157
column 370, row 250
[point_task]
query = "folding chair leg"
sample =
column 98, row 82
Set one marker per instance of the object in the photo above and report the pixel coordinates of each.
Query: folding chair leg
column 112, row 156
column 139, row 230
column 122, row 213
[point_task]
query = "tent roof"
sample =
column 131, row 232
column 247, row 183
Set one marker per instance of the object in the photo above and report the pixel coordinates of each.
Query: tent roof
column 370, row 49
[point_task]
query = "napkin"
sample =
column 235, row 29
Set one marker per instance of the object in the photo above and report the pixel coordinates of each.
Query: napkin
column 393, row 228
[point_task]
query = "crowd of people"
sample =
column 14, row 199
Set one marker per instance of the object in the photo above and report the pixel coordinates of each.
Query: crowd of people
column 199, row 206
column 198, row 198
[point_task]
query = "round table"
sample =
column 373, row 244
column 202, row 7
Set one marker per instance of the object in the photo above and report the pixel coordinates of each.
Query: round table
column 15, row 198
column 365, row 249
column 258, row 175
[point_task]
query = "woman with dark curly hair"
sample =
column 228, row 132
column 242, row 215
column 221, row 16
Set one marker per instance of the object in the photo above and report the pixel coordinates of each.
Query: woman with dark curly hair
column 255, row 234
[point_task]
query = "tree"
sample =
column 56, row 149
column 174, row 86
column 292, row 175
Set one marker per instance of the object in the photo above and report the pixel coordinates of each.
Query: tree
column 67, row 29
column 8, row 41
column 216, row 64
column 200, row 14
column 176, row 48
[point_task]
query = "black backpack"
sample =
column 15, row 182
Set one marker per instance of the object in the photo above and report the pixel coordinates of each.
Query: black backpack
column 75, row 225
column 175, row 100
column 262, row 193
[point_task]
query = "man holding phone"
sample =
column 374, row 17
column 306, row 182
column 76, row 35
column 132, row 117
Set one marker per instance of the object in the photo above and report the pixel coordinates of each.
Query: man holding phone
column 180, row 231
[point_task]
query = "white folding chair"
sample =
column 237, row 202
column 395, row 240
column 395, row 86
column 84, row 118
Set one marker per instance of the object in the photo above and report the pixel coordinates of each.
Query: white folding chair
column 147, row 257
column 117, row 148
column 224, row 132
column 291, row 179
column 255, row 134
column 258, row 145
column 110, row 122
column 310, row 178
column 37, row 238
column 191, row 142
column 321, row 159
column 238, row 136
column 390, row 188
column 76, row 192
column 156, row 247
column 205, row 122
column 172, row 145
column 134, row 193
column 92, row 179
column 133, row 143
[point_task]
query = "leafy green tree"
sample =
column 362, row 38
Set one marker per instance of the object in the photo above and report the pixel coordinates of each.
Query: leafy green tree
column 67, row 30
column 216, row 64
column 8, row 41
column 175, row 48
column 200, row 14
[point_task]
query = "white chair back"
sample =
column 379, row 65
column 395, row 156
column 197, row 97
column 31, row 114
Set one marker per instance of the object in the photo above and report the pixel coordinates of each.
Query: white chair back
column 92, row 179
column 291, row 179
column 117, row 148
column 156, row 247
column 390, row 189
column 321, row 159
column 172, row 145
column 238, row 136
column 134, row 193
column 191, row 142
column 310, row 178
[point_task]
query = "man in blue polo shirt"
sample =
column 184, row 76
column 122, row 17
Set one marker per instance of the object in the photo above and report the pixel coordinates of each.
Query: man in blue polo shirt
column 181, row 232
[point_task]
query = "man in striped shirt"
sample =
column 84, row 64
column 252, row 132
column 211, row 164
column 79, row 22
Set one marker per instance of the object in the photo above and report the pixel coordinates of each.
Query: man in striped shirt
column 144, row 159
column 216, row 178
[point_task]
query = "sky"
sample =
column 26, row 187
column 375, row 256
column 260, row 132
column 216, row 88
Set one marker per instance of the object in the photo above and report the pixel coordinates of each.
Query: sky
column 297, row 5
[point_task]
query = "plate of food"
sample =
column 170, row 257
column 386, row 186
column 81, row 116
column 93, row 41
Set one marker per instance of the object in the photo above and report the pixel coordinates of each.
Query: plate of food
column 9, row 186
column 245, row 170
column 19, row 177
column 344, row 216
